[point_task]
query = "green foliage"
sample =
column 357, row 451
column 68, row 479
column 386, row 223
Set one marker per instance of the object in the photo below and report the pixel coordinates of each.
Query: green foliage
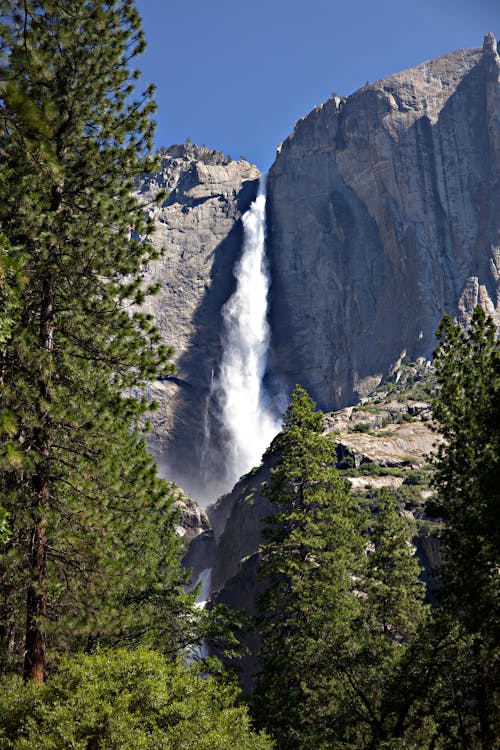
column 131, row 700
column 467, row 466
column 368, row 408
column 408, row 495
column 370, row 468
column 467, row 479
column 415, row 381
column 417, row 477
column 342, row 606
column 92, row 554
column 453, row 699
column 347, row 463
column 307, row 562
column 394, row 593
column 405, row 417
column 362, row 427
column 4, row 526
column 12, row 281
column 301, row 418
column 372, row 707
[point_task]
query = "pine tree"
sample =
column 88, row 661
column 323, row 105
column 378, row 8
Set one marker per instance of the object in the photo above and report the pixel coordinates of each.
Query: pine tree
column 314, row 548
column 12, row 281
column 91, row 554
column 392, row 620
column 342, row 609
column 467, row 478
column 467, row 467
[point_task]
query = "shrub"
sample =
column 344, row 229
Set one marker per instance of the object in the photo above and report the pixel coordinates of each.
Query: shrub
column 417, row 477
column 346, row 463
column 362, row 427
column 125, row 700
column 367, row 408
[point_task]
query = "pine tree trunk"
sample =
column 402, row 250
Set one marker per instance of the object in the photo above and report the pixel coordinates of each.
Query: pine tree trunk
column 36, row 603
column 36, row 606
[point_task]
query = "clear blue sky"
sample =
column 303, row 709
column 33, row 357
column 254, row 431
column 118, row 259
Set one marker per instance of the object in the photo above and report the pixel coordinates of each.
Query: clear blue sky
column 237, row 75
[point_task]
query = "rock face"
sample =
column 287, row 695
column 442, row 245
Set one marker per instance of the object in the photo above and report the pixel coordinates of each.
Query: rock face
column 242, row 510
column 384, row 213
column 193, row 521
column 199, row 226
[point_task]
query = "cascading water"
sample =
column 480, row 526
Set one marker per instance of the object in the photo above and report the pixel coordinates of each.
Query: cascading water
column 247, row 418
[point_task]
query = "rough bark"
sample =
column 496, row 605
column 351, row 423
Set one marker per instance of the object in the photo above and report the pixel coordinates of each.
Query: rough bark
column 36, row 601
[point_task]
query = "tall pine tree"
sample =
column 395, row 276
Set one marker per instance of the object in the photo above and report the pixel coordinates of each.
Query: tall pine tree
column 467, row 478
column 91, row 553
column 343, row 608
column 314, row 550
column 393, row 619
column 467, row 467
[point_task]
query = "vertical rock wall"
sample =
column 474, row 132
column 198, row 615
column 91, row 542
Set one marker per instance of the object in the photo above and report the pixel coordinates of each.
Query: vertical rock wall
column 384, row 213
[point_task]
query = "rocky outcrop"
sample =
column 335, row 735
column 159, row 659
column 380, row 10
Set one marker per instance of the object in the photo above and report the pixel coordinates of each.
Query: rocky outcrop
column 399, row 445
column 193, row 521
column 243, row 511
column 385, row 442
column 199, row 226
column 384, row 213
column 198, row 542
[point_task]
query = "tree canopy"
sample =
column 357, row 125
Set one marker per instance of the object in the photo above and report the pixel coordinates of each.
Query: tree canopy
column 467, row 467
column 132, row 700
column 343, row 604
column 467, row 480
column 91, row 553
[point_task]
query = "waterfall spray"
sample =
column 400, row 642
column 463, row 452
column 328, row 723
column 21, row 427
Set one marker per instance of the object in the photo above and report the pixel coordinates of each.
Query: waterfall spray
column 248, row 420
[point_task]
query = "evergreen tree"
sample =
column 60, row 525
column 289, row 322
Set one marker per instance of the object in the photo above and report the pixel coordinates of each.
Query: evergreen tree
column 392, row 622
column 448, row 657
column 467, row 467
column 12, row 281
column 91, row 554
column 394, row 600
column 343, row 606
column 309, row 564
column 467, row 478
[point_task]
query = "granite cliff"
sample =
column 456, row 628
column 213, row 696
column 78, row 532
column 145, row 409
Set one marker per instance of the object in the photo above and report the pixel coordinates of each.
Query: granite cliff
column 384, row 213
column 199, row 226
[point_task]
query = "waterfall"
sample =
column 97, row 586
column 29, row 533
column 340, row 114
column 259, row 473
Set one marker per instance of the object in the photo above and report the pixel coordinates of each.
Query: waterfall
column 248, row 420
column 204, row 579
column 201, row 650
